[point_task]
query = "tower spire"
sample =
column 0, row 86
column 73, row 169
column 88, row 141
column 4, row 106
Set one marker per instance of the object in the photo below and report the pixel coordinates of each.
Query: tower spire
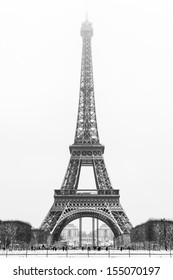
column 86, row 129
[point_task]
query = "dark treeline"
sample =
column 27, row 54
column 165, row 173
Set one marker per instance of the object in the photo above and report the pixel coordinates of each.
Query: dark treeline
column 154, row 233
column 12, row 232
column 18, row 234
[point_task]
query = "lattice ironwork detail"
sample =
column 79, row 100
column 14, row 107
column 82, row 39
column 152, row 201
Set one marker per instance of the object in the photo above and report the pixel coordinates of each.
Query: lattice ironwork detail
column 86, row 129
column 102, row 175
column 122, row 220
column 72, row 174
column 50, row 220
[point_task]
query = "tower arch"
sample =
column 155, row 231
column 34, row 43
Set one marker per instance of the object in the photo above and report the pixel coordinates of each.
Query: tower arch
column 58, row 228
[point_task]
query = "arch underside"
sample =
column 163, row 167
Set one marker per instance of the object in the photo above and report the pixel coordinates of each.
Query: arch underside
column 89, row 214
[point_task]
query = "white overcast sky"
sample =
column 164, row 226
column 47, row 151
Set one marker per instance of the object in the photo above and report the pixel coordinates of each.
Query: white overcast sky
column 40, row 57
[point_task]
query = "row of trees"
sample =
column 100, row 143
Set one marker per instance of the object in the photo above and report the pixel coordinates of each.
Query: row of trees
column 154, row 233
column 20, row 234
column 12, row 232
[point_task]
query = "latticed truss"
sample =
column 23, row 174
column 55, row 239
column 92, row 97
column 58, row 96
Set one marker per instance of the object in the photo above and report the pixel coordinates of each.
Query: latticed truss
column 50, row 220
column 102, row 178
column 86, row 129
column 72, row 175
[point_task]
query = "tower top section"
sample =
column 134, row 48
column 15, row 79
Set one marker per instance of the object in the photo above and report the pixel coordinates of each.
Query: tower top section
column 86, row 29
column 86, row 129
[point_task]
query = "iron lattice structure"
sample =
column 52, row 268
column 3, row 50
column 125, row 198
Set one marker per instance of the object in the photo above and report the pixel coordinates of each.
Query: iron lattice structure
column 69, row 202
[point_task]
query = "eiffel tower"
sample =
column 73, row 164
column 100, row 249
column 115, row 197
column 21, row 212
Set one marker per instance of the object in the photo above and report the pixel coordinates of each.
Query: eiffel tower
column 70, row 203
